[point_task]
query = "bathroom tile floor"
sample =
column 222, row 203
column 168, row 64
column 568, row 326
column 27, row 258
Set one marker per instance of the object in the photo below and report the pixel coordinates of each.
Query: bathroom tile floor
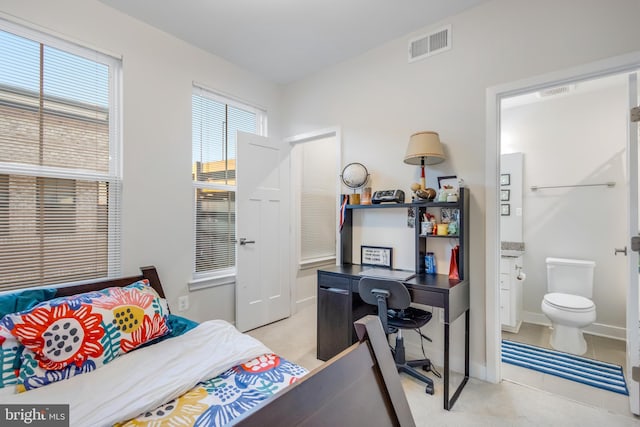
column 598, row 348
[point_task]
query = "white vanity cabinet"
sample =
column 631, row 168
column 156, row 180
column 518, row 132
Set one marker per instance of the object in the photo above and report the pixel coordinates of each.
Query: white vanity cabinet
column 510, row 293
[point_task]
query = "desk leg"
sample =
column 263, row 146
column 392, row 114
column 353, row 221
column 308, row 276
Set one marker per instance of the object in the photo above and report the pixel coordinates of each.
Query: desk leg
column 447, row 406
column 448, row 403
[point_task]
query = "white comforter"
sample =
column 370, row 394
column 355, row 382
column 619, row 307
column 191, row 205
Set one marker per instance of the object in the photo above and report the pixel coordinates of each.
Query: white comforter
column 146, row 378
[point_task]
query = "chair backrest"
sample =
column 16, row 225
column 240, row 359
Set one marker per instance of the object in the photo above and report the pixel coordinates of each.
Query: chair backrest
column 398, row 299
column 385, row 294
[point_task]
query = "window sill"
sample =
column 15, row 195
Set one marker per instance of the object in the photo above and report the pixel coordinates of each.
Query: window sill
column 197, row 284
column 317, row 262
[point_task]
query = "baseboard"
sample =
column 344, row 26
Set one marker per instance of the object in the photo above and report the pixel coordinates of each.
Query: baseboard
column 305, row 302
column 599, row 329
column 513, row 330
column 535, row 318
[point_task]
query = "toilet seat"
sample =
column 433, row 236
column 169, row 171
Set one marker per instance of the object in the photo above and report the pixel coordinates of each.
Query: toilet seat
column 567, row 302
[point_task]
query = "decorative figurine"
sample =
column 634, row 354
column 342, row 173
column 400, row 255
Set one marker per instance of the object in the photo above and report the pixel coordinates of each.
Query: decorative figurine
column 422, row 194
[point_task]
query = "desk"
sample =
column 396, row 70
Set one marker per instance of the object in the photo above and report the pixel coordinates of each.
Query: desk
column 339, row 305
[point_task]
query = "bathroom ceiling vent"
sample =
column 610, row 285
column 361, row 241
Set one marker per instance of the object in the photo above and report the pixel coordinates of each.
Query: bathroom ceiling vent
column 555, row 91
column 427, row 45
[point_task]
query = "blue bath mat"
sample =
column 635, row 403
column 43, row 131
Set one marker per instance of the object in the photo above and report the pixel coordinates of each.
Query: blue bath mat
column 575, row 368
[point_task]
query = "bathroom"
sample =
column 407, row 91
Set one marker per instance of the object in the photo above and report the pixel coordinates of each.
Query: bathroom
column 574, row 138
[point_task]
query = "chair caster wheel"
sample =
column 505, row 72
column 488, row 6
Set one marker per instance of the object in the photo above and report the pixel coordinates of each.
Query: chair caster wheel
column 429, row 389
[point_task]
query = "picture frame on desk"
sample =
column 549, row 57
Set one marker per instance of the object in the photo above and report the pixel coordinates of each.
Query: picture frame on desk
column 376, row 256
column 450, row 181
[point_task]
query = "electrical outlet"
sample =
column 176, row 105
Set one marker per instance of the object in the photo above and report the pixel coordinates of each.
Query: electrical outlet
column 183, row 303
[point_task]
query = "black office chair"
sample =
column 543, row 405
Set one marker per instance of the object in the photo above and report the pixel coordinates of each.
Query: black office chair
column 393, row 301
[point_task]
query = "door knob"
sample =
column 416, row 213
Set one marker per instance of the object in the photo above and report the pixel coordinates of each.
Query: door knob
column 244, row 241
column 623, row 251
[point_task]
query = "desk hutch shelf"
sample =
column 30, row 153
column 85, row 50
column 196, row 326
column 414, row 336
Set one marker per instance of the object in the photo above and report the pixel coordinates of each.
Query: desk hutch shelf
column 421, row 242
column 339, row 303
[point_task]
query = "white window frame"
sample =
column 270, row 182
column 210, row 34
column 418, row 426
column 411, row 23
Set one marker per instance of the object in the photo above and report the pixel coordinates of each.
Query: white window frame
column 225, row 276
column 114, row 176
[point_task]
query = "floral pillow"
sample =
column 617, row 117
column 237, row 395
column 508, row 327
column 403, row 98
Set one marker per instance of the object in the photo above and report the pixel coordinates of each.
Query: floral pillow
column 10, row 350
column 68, row 336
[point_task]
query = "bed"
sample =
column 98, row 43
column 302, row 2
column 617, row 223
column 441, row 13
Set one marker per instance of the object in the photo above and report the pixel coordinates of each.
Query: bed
column 205, row 374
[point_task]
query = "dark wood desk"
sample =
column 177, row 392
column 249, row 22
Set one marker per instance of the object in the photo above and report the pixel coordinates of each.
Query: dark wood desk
column 339, row 305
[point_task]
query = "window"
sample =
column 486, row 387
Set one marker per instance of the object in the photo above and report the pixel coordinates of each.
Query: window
column 317, row 193
column 60, row 173
column 215, row 122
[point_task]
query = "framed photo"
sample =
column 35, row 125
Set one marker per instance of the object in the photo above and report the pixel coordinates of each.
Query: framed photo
column 451, row 181
column 504, row 195
column 377, row 256
column 448, row 215
column 505, row 179
column 505, row 209
column 411, row 217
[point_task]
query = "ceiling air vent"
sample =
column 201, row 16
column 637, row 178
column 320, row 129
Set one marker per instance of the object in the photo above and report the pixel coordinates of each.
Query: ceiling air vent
column 430, row 44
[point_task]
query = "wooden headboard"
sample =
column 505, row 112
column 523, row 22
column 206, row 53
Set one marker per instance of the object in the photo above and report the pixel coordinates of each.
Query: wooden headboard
column 148, row 273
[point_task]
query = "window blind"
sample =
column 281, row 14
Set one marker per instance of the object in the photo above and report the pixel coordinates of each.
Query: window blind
column 215, row 123
column 60, row 178
column 318, row 201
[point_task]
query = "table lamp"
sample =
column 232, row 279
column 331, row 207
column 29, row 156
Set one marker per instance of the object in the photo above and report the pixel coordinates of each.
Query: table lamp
column 424, row 149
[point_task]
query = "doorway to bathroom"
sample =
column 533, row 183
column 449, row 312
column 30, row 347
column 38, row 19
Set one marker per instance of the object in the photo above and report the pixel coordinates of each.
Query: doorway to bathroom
column 562, row 190
column 564, row 152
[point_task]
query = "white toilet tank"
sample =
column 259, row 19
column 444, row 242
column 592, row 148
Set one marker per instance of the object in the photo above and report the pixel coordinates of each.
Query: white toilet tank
column 570, row 276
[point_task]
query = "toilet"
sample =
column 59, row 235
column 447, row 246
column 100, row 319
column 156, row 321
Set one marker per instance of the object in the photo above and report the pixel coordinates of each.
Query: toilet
column 568, row 303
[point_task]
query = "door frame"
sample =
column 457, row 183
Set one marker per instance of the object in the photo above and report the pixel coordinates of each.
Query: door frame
column 633, row 362
column 294, row 206
column 494, row 95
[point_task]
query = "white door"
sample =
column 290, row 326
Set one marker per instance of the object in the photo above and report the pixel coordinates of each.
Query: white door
column 262, row 279
column 633, row 303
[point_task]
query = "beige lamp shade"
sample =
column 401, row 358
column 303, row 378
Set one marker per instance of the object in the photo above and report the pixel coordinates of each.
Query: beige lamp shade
column 424, row 145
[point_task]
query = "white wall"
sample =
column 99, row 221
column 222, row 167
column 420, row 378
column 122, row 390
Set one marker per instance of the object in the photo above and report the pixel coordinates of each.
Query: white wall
column 380, row 100
column 158, row 71
column 574, row 139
